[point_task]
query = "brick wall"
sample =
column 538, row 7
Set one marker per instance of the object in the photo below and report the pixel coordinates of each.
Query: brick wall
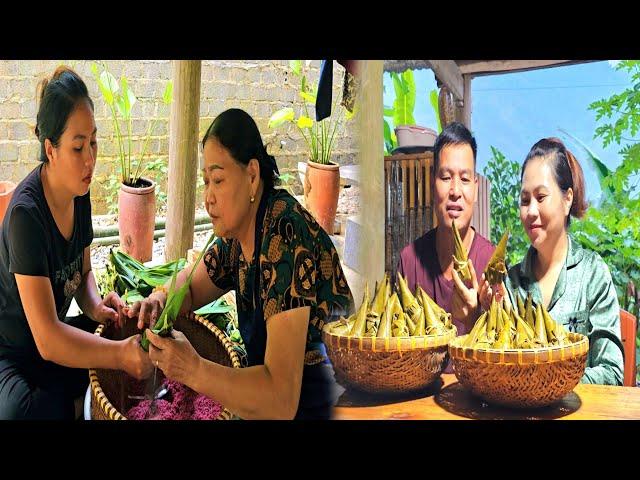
column 258, row 86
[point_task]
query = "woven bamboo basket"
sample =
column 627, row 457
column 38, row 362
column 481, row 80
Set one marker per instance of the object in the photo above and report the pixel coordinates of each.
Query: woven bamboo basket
column 388, row 365
column 521, row 378
column 109, row 388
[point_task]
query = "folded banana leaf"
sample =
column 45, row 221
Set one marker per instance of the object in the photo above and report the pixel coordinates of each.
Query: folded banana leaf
column 360, row 325
column 492, row 321
column 410, row 325
column 407, row 300
column 426, row 299
column 175, row 297
column 540, row 328
column 496, row 269
column 520, row 306
column 556, row 332
column 433, row 325
column 399, row 327
column 460, row 256
column 380, row 297
column 132, row 296
column 421, row 325
column 471, row 339
column 340, row 327
column 503, row 342
column 384, row 329
column 411, row 305
column 218, row 306
column 524, row 333
column 132, row 275
column 499, row 319
column 373, row 321
column 483, row 340
column 529, row 313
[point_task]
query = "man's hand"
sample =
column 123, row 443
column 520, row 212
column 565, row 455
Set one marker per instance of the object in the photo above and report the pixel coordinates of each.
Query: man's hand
column 464, row 303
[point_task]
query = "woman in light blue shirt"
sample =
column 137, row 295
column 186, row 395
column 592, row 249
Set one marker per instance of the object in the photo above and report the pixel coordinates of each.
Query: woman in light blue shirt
column 573, row 283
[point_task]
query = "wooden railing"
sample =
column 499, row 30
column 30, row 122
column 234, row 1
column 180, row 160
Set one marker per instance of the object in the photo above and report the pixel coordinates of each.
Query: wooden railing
column 409, row 210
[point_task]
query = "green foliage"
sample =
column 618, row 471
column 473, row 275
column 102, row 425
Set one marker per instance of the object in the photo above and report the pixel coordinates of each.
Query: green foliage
column 319, row 136
column 225, row 316
column 288, row 179
column 504, row 176
column 612, row 228
column 174, row 301
column 160, row 170
column 131, row 279
column 405, row 101
column 120, row 100
column 112, row 186
column 157, row 170
column 401, row 113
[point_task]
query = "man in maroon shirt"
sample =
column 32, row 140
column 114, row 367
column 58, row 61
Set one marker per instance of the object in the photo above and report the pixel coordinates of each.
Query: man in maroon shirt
column 428, row 260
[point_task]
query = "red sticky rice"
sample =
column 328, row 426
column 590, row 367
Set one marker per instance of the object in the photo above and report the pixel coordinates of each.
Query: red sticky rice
column 185, row 404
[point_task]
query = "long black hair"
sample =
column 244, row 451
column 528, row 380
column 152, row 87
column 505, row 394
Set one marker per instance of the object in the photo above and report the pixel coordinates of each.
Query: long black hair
column 236, row 131
column 454, row 134
column 567, row 172
column 59, row 96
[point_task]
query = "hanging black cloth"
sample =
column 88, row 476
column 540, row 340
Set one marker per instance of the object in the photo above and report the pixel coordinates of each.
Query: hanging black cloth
column 325, row 88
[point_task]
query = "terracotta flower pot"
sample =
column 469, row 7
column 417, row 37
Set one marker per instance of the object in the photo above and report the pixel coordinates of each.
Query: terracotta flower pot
column 6, row 192
column 137, row 219
column 321, row 191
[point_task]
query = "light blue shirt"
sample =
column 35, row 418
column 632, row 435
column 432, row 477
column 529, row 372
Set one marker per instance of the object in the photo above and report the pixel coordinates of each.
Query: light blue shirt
column 585, row 301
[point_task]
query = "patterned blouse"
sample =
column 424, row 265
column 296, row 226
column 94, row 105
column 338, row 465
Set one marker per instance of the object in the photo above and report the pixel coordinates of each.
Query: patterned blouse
column 299, row 267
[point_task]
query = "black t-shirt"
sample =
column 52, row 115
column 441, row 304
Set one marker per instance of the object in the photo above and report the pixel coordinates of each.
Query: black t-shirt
column 31, row 244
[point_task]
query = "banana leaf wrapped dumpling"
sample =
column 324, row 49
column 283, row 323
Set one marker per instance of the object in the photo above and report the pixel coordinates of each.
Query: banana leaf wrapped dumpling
column 342, row 326
column 386, row 321
column 411, row 305
column 496, row 269
column 380, row 297
column 460, row 256
column 360, row 325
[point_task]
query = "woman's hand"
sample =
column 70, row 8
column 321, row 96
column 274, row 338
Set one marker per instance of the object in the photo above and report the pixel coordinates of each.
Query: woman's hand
column 135, row 361
column 148, row 310
column 175, row 356
column 110, row 310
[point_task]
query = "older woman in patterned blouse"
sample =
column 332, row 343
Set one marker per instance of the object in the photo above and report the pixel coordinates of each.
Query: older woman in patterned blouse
column 288, row 282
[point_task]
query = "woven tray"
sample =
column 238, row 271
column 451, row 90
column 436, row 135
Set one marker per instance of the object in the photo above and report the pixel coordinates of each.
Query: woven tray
column 521, row 378
column 388, row 365
column 109, row 388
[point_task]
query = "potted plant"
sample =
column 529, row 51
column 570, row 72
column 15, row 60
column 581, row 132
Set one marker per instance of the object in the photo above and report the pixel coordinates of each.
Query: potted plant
column 136, row 197
column 6, row 192
column 402, row 115
column 322, row 177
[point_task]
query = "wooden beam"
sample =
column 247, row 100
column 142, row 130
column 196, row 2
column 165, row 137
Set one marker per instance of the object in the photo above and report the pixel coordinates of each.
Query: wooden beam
column 371, row 160
column 493, row 67
column 466, row 106
column 183, row 158
column 400, row 66
column 447, row 72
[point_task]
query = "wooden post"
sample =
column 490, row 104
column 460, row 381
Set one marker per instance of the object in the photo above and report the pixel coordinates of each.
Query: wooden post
column 183, row 158
column 371, row 159
column 466, row 107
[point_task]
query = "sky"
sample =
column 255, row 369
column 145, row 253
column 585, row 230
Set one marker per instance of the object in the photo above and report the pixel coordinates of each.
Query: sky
column 513, row 111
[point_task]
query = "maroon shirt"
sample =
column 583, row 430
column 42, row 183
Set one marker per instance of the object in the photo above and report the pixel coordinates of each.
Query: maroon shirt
column 419, row 265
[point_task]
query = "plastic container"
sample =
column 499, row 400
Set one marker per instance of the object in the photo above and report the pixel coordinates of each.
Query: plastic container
column 415, row 136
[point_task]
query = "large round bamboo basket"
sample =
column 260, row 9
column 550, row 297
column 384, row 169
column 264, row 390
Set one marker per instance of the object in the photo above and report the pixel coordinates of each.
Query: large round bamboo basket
column 521, row 378
column 388, row 365
column 109, row 387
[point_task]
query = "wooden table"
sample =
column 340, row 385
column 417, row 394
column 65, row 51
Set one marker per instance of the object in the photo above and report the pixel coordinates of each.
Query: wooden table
column 449, row 400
